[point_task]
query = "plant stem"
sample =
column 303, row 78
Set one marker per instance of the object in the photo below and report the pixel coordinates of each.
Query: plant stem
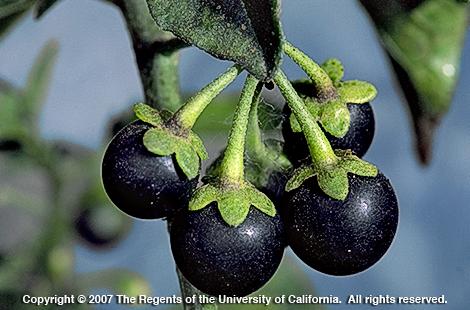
column 319, row 146
column 156, row 54
column 232, row 166
column 187, row 115
column 254, row 139
column 323, row 84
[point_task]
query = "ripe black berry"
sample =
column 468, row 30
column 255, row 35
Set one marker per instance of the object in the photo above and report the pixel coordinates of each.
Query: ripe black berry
column 222, row 260
column 358, row 139
column 342, row 237
column 140, row 183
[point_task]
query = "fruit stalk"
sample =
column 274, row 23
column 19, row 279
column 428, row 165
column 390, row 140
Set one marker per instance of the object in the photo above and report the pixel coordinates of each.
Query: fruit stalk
column 232, row 167
column 187, row 115
column 254, row 140
column 323, row 84
column 319, row 146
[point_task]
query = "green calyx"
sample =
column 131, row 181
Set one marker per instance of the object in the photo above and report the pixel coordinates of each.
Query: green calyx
column 172, row 134
column 333, row 113
column 228, row 187
column 334, row 179
column 164, row 140
column 331, row 168
column 233, row 202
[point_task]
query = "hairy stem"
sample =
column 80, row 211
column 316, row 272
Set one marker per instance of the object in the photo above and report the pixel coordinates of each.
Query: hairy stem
column 156, row 54
column 187, row 115
column 323, row 84
column 319, row 146
column 254, row 138
column 232, row 166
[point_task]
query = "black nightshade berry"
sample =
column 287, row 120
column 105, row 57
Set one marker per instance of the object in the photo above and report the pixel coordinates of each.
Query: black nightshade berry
column 222, row 260
column 358, row 138
column 342, row 237
column 140, row 183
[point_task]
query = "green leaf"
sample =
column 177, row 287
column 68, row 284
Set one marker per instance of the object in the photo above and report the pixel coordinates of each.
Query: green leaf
column 6, row 23
column 294, row 123
column 357, row 92
column 43, row 6
column 39, row 78
column 19, row 109
column 11, row 11
column 11, row 116
column 247, row 32
column 216, row 118
column 335, row 70
column 424, row 40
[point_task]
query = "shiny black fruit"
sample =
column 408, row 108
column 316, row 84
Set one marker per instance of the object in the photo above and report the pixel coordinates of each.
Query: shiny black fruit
column 342, row 237
column 222, row 260
column 139, row 183
column 358, row 138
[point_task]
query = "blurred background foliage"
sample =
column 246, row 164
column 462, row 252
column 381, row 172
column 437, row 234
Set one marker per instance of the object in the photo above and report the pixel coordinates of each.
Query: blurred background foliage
column 50, row 191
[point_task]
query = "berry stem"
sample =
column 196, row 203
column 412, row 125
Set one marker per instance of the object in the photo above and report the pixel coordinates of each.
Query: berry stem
column 187, row 115
column 232, row 167
column 254, row 139
column 323, row 83
column 319, row 146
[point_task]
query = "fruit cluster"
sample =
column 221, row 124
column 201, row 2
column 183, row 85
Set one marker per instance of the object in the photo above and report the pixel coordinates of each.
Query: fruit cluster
column 338, row 213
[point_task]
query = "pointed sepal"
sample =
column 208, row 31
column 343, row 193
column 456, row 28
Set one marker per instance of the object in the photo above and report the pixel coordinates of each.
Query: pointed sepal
column 333, row 180
column 335, row 118
column 357, row 91
column 233, row 202
column 148, row 114
column 335, row 70
column 163, row 142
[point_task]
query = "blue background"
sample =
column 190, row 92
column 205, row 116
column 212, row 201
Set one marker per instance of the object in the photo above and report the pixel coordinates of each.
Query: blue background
column 95, row 77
